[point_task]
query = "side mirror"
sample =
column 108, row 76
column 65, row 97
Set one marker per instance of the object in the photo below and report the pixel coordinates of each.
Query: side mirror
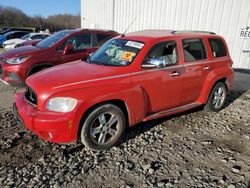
column 69, row 47
column 154, row 63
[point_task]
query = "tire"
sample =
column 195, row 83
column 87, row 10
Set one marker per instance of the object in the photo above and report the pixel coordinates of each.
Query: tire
column 97, row 133
column 217, row 98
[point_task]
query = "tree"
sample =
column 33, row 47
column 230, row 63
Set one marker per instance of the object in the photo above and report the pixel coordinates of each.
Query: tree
column 13, row 17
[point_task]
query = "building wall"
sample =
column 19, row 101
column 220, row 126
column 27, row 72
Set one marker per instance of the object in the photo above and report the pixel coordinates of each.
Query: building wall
column 224, row 17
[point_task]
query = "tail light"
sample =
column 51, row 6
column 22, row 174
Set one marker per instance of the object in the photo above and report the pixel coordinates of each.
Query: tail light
column 231, row 63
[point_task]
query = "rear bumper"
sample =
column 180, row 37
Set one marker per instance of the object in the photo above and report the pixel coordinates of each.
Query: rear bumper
column 50, row 126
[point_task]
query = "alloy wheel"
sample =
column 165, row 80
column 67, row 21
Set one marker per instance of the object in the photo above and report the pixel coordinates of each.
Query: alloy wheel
column 104, row 128
column 219, row 97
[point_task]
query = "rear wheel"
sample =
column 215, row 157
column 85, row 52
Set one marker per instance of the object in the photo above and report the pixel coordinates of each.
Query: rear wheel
column 217, row 98
column 103, row 127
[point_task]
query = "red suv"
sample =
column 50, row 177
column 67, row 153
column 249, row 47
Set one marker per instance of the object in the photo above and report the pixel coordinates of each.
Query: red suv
column 138, row 77
column 62, row 47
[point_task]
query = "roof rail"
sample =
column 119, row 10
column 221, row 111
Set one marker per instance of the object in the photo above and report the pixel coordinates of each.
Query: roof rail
column 192, row 31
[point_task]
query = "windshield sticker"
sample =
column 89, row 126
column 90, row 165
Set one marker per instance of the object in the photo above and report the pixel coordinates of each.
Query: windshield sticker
column 127, row 56
column 134, row 44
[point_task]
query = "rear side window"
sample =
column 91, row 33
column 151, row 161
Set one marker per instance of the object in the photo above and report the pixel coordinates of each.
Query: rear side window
column 218, row 48
column 194, row 50
column 102, row 38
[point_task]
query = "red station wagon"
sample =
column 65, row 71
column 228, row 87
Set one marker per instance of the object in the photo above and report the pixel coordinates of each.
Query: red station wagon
column 132, row 78
column 61, row 47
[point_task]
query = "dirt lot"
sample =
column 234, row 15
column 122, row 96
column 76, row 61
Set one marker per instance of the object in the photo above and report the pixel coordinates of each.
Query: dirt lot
column 192, row 149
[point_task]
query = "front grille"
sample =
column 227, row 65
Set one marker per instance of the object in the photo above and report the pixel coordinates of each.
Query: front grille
column 30, row 96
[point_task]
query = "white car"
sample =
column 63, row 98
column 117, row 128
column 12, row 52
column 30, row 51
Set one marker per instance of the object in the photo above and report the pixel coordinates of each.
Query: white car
column 14, row 43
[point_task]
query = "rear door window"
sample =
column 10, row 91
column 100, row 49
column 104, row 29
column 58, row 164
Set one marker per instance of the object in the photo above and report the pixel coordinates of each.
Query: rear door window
column 218, row 48
column 194, row 50
column 35, row 37
column 20, row 34
column 102, row 38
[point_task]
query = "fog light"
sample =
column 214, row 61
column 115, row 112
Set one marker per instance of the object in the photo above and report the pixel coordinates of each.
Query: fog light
column 13, row 76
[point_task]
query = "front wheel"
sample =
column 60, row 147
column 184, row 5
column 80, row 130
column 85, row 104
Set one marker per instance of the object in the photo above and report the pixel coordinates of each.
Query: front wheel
column 103, row 127
column 217, row 98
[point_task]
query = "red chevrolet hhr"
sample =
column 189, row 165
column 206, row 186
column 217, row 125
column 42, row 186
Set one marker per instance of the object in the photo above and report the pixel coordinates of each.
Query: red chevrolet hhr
column 132, row 78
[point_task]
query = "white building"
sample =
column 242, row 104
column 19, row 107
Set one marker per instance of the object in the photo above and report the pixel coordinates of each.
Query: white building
column 229, row 18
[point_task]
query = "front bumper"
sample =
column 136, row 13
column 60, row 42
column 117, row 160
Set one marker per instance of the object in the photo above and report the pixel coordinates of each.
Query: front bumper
column 8, row 46
column 10, row 75
column 50, row 126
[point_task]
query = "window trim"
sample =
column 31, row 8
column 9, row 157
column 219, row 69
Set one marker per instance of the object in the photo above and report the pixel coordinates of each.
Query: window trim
column 158, row 45
column 203, row 43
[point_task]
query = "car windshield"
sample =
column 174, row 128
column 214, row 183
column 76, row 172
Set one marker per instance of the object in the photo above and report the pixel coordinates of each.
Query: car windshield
column 116, row 52
column 52, row 39
column 25, row 37
column 7, row 34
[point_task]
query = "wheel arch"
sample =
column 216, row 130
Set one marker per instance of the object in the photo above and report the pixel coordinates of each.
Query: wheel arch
column 207, row 90
column 117, row 102
column 37, row 67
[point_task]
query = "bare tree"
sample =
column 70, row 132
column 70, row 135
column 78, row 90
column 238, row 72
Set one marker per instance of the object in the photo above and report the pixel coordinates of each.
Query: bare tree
column 13, row 17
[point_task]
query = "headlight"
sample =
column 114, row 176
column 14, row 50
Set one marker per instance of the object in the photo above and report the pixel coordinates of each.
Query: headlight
column 17, row 60
column 61, row 104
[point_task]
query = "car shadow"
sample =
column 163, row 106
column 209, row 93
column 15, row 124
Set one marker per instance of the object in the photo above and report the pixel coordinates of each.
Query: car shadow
column 143, row 127
column 233, row 96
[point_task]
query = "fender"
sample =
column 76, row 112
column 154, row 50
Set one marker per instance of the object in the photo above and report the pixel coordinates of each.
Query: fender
column 133, row 97
column 211, row 79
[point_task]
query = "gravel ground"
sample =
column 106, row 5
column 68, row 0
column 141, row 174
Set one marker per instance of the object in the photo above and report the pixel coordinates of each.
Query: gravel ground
column 192, row 149
column 2, row 50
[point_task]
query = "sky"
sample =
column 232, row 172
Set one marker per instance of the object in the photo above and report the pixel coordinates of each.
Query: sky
column 44, row 7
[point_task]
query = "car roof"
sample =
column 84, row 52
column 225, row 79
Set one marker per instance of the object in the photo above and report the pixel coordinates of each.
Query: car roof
column 10, row 32
column 39, row 34
column 85, row 29
column 145, row 35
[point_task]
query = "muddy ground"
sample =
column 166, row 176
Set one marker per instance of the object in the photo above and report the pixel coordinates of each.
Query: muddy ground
column 192, row 149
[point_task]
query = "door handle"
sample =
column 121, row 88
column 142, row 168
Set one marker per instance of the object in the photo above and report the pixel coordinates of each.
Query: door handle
column 207, row 68
column 173, row 74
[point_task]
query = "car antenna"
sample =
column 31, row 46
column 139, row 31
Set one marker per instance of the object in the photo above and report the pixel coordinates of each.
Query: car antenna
column 123, row 35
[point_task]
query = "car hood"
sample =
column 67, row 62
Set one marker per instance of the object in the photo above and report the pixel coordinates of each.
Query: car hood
column 22, row 51
column 74, row 75
column 12, row 41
